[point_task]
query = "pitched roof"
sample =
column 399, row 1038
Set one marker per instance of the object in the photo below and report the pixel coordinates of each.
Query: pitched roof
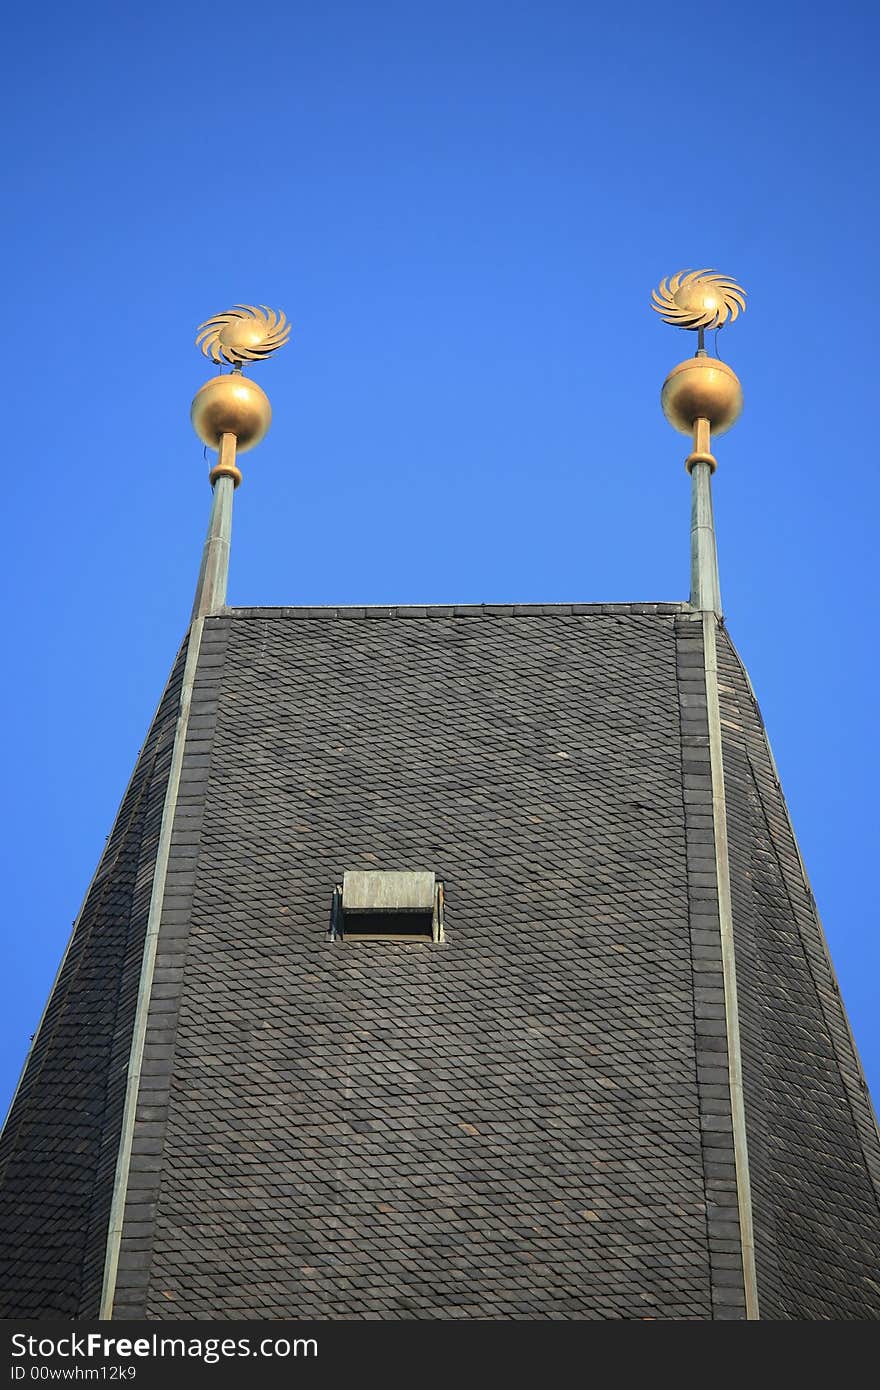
column 814, row 1155
column 59, row 1146
column 529, row 1119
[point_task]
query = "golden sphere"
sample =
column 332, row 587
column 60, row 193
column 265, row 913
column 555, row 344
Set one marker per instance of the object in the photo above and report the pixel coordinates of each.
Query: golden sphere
column 231, row 405
column 702, row 388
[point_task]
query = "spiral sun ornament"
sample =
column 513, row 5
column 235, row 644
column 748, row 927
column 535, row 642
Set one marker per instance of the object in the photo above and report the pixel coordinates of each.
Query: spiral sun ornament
column 698, row 299
column 247, row 333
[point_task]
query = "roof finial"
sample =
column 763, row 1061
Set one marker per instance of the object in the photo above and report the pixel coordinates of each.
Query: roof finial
column 700, row 395
column 231, row 414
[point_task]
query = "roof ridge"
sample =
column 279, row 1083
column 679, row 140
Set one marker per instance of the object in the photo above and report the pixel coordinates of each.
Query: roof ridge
column 452, row 610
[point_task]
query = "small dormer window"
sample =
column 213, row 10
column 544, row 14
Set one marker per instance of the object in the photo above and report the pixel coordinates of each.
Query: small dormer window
column 377, row 905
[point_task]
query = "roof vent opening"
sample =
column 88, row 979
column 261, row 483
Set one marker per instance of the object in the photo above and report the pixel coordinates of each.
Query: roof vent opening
column 387, row 906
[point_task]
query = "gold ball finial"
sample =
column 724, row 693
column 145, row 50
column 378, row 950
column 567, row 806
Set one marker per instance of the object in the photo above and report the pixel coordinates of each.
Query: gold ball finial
column 702, row 388
column 703, row 394
column 231, row 405
column 231, row 413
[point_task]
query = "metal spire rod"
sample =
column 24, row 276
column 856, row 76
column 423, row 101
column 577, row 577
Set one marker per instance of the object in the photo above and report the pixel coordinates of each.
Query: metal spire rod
column 214, row 573
column 701, row 395
column 705, row 585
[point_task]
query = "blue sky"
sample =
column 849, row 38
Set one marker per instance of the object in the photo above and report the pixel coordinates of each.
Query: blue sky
column 463, row 209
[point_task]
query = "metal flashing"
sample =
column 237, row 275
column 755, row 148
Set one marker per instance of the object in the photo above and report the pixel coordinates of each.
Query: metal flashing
column 120, row 1183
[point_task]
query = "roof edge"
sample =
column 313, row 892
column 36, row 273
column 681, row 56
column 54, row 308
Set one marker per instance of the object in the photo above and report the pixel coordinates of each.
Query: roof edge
column 455, row 610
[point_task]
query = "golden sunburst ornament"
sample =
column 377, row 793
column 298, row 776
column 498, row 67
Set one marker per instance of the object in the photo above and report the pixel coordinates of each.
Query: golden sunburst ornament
column 698, row 299
column 247, row 333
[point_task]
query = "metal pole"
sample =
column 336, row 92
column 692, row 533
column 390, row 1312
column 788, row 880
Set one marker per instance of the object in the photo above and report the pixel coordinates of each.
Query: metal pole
column 705, row 588
column 214, row 573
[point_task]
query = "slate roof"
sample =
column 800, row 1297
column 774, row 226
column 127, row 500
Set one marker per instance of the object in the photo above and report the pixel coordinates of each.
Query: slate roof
column 529, row 1119
column 813, row 1151
column 58, row 1149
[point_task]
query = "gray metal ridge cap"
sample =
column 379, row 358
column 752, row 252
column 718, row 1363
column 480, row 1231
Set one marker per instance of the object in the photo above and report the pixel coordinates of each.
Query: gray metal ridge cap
column 490, row 610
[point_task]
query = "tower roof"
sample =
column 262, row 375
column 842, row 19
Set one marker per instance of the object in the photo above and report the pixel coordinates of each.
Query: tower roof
column 530, row 1117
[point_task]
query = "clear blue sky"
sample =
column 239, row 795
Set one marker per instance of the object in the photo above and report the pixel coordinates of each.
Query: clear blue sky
column 463, row 209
